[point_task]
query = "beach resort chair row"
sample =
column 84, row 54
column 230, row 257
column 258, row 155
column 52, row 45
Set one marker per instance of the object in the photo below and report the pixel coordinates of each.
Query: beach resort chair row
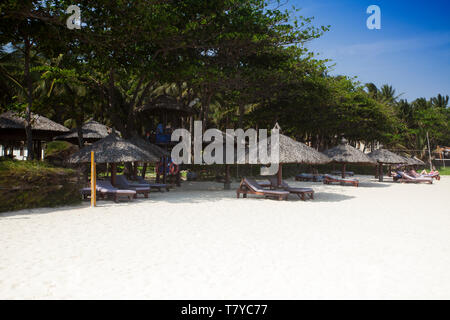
column 125, row 189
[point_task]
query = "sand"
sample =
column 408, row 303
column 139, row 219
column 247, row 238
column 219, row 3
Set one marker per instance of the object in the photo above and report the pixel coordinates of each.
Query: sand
column 378, row 241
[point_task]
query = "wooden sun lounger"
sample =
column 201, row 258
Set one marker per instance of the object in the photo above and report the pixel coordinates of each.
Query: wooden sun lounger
column 158, row 186
column 250, row 186
column 347, row 173
column 332, row 179
column 105, row 188
column 408, row 179
column 308, row 177
column 123, row 183
column 302, row 193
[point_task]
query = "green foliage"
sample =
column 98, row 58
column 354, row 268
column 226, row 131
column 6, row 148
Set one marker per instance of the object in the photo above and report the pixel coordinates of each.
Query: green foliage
column 55, row 147
column 35, row 184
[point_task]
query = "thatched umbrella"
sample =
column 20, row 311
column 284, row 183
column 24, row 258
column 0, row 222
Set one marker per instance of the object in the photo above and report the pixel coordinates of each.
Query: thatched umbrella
column 292, row 151
column 150, row 147
column 345, row 153
column 412, row 161
column 91, row 130
column 153, row 149
column 113, row 149
column 383, row 156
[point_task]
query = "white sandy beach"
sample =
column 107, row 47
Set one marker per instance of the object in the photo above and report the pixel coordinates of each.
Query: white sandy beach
column 378, row 241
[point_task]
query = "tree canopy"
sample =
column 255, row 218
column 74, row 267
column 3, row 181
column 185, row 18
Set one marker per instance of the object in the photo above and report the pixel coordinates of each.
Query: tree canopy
column 238, row 63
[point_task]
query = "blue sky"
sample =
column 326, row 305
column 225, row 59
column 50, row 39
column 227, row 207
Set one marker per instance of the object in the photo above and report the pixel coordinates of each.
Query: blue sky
column 411, row 51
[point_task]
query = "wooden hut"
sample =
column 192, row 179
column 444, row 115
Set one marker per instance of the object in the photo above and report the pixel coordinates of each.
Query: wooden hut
column 12, row 131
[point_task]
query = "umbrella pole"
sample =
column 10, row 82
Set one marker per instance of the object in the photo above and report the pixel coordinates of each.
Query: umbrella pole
column 144, row 170
column 280, row 174
column 343, row 170
column 227, row 185
column 380, row 174
column 93, row 182
column 113, row 173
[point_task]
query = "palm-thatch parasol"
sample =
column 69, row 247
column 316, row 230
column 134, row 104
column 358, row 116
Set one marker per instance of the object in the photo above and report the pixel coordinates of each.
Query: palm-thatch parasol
column 345, row 153
column 151, row 148
column 113, row 149
column 383, row 156
column 291, row 151
column 92, row 131
column 412, row 161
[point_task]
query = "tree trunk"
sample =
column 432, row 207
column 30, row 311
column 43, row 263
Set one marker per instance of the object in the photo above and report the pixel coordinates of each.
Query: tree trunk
column 79, row 124
column 29, row 92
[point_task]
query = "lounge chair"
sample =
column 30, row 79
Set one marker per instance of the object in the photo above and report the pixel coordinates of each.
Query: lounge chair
column 302, row 193
column 158, row 186
column 434, row 175
column 250, row 186
column 406, row 178
column 329, row 179
column 105, row 188
column 347, row 173
column 85, row 193
column 309, row 177
column 122, row 183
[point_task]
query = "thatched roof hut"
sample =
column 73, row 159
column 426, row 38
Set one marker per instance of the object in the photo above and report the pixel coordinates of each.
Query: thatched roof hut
column 345, row 153
column 12, row 120
column 113, row 149
column 12, row 130
column 384, row 156
column 12, row 127
column 92, row 131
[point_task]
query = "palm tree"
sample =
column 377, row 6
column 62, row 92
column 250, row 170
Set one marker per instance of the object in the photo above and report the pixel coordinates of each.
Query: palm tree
column 387, row 94
column 440, row 101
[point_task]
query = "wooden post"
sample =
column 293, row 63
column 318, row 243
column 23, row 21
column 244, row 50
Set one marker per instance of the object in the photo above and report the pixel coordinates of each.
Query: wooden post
column 280, row 174
column 93, row 182
column 113, row 173
column 144, row 170
column 380, row 173
column 343, row 170
column 429, row 152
